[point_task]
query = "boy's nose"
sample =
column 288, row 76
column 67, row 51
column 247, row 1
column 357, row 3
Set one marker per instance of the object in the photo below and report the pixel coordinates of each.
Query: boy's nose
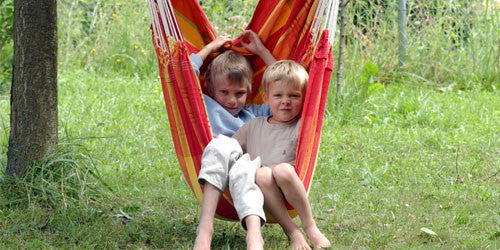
column 231, row 100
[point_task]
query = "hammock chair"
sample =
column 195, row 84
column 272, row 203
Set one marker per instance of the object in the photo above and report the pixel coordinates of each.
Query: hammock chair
column 300, row 30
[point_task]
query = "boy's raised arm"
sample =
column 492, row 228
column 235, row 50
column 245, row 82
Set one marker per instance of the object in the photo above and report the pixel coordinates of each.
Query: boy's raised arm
column 213, row 46
column 256, row 47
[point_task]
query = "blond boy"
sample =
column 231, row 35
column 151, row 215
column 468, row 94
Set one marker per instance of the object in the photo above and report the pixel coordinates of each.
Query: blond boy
column 273, row 139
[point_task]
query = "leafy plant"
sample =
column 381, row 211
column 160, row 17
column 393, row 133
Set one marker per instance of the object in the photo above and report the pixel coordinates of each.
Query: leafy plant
column 366, row 85
column 6, row 43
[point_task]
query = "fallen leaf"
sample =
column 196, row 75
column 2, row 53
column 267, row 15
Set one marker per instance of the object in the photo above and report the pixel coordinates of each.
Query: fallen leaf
column 428, row 231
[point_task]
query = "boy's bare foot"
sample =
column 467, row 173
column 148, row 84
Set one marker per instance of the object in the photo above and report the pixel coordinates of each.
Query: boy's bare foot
column 317, row 239
column 297, row 241
column 203, row 239
column 254, row 241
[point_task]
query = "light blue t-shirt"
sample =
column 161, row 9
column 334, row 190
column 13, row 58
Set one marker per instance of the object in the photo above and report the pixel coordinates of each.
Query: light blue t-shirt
column 196, row 62
column 221, row 121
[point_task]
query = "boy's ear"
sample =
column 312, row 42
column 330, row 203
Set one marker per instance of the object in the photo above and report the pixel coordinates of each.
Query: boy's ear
column 208, row 87
column 265, row 97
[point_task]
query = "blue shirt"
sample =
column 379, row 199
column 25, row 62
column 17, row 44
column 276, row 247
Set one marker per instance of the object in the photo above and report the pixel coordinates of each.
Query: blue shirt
column 196, row 62
column 221, row 121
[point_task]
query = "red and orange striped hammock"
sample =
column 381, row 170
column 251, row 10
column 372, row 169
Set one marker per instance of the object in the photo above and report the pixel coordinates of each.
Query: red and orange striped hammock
column 301, row 30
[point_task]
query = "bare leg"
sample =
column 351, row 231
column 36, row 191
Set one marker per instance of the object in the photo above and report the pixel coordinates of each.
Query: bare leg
column 275, row 204
column 254, row 238
column 296, row 195
column 211, row 196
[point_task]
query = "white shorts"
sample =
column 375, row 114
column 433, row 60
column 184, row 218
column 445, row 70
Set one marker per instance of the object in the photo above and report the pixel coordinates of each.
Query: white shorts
column 224, row 165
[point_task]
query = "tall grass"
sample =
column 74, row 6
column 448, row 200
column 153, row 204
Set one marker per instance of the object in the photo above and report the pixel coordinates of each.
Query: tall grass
column 98, row 35
column 65, row 177
column 450, row 43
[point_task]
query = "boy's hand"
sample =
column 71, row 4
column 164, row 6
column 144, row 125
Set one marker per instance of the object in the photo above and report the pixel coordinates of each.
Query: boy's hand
column 214, row 46
column 219, row 42
column 256, row 47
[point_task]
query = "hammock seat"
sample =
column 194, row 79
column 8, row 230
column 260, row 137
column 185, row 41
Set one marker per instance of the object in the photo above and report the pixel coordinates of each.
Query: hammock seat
column 300, row 30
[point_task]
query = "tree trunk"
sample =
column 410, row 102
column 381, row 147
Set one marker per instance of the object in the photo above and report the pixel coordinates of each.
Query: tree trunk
column 33, row 110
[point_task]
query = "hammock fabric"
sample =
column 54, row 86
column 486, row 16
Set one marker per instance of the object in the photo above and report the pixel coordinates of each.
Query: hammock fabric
column 287, row 29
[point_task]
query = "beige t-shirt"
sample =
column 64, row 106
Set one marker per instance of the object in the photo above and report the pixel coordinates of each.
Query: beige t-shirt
column 274, row 143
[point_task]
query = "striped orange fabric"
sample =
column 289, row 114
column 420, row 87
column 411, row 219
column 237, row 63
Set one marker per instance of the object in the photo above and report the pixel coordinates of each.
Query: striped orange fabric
column 314, row 107
column 282, row 26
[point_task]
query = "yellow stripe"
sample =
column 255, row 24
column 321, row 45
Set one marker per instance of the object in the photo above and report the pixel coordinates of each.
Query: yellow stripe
column 190, row 32
column 228, row 198
column 309, row 19
column 278, row 7
column 290, row 28
column 283, row 17
column 185, row 154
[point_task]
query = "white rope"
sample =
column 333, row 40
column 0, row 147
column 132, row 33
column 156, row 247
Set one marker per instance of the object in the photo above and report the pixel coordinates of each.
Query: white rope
column 326, row 13
column 174, row 19
column 325, row 17
column 318, row 16
column 166, row 13
column 165, row 18
column 155, row 23
column 332, row 26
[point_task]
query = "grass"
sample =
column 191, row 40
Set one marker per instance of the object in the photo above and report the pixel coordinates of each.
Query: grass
column 424, row 159
column 413, row 166
column 403, row 149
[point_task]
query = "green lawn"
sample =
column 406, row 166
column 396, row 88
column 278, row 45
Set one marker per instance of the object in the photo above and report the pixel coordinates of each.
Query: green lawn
column 404, row 159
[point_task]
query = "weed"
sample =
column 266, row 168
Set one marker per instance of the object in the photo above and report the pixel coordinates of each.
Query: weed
column 65, row 177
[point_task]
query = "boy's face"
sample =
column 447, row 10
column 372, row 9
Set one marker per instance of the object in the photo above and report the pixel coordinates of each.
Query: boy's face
column 231, row 96
column 285, row 101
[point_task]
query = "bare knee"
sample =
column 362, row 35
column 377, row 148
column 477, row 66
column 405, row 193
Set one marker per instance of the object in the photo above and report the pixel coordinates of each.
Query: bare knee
column 284, row 173
column 264, row 177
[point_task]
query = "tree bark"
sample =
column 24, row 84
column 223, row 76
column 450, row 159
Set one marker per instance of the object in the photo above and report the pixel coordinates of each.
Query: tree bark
column 33, row 117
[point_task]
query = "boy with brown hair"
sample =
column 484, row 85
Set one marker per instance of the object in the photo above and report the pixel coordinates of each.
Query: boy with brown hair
column 228, row 81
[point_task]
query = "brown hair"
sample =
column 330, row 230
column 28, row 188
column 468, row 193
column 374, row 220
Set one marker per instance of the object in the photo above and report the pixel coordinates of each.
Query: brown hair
column 229, row 65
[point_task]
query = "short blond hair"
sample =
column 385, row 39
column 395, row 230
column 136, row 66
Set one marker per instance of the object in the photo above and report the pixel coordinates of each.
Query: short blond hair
column 286, row 71
column 229, row 65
